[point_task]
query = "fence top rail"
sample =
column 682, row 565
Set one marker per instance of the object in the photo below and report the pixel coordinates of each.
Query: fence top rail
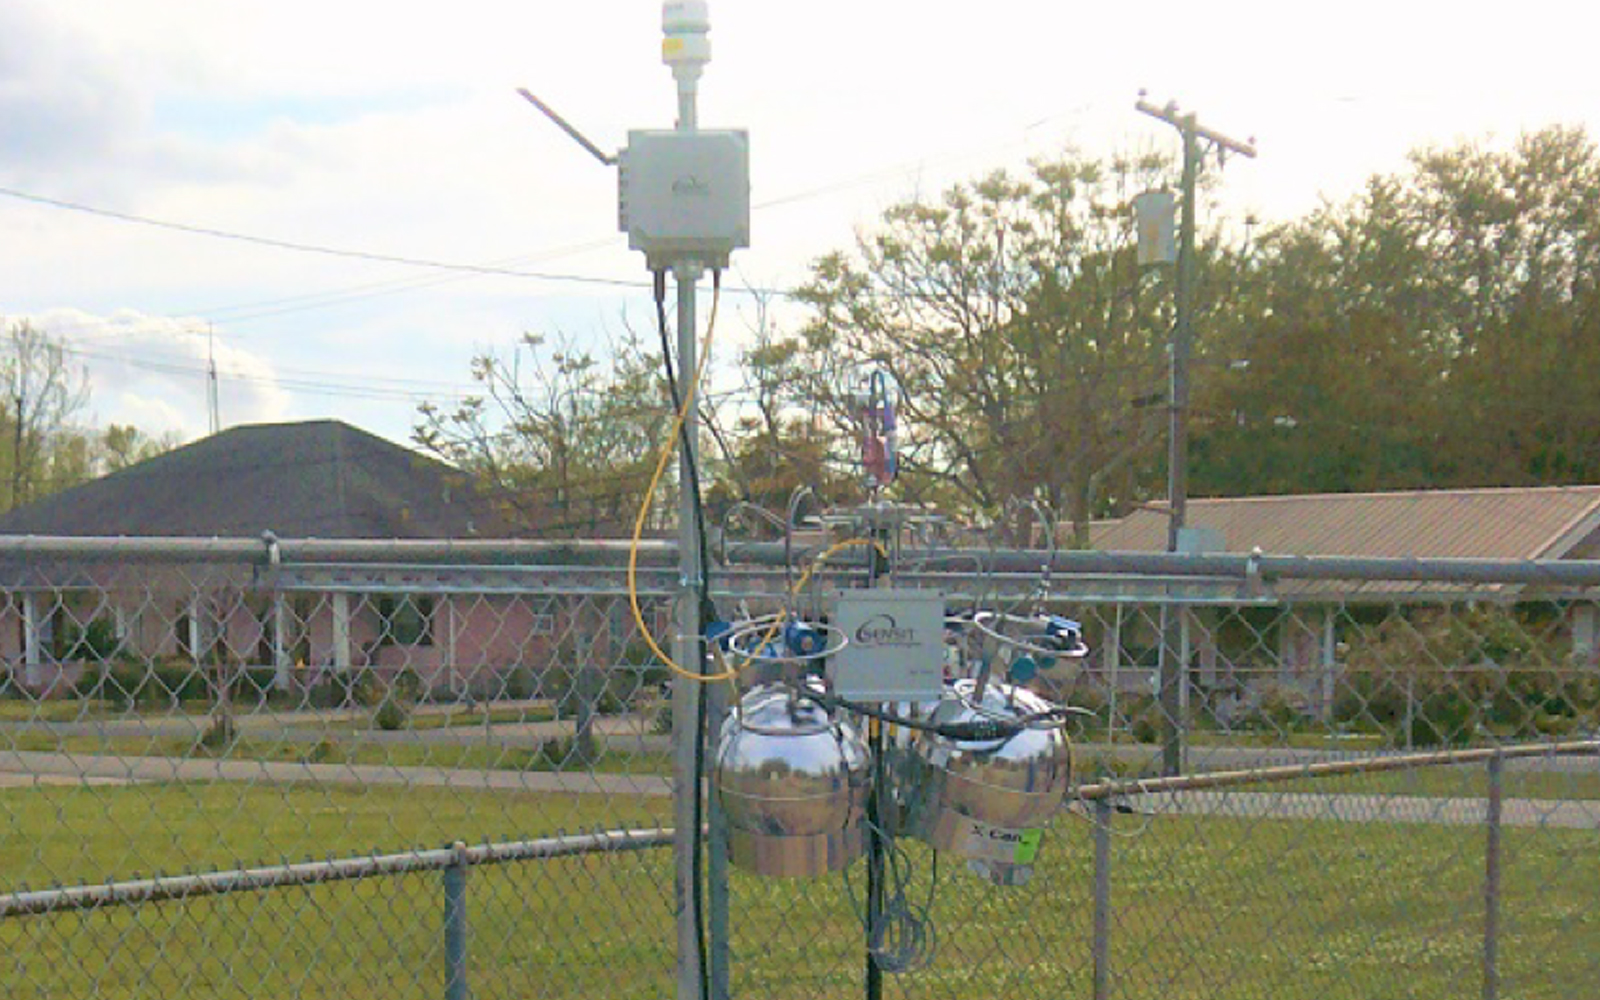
column 268, row 549
column 188, row 886
column 1321, row 769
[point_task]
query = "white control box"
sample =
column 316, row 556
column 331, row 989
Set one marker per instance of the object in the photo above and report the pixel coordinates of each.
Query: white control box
column 685, row 196
column 894, row 648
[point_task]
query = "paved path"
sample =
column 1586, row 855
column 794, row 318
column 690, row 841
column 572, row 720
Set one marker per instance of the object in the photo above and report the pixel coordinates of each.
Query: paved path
column 56, row 767
column 622, row 732
column 21, row 767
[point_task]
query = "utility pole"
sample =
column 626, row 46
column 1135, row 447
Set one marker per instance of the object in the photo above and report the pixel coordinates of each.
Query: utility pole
column 1173, row 659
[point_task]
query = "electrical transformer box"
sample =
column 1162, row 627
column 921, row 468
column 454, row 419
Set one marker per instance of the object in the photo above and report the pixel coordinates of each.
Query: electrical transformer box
column 685, row 196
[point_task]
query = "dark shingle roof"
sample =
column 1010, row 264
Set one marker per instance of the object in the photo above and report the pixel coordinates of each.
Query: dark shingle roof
column 317, row 479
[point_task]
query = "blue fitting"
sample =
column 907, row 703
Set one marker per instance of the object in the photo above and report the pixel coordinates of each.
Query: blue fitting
column 718, row 632
column 801, row 638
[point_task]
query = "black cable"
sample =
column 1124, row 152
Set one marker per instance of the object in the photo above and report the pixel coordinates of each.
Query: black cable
column 705, row 612
column 973, row 729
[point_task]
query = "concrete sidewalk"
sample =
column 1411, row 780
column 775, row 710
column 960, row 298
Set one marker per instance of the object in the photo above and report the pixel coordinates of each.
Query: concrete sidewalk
column 27, row 768
column 57, row 768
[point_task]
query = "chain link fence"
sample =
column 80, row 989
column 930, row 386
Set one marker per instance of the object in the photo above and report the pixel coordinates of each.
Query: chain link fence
column 318, row 770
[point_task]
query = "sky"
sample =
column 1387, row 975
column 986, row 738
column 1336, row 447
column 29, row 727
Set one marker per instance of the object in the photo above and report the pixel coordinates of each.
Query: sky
column 357, row 130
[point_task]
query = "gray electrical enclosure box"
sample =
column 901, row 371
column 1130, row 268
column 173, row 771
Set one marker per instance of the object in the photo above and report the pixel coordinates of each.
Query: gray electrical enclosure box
column 894, row 648
column 685, row 196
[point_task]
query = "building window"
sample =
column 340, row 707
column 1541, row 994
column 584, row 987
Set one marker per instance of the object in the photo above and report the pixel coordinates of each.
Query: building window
column 407, row 620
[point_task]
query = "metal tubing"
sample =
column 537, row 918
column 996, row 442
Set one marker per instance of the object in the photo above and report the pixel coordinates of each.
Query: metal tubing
column 257, row 549
column 1101, row 947
column 1491, row 882
column 1234, row 566
column 594, row 554
column 455, row 924
column 163, row 888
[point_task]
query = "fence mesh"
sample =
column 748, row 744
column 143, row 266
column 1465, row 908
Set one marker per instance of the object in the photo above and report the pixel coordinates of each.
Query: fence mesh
column 162, row 716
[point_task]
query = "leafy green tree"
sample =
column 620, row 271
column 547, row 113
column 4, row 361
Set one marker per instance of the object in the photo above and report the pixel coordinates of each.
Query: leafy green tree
column 1428, row 333
column 1517, row 236
column 1013, row 316
column 1344, row 371
column 124, row 445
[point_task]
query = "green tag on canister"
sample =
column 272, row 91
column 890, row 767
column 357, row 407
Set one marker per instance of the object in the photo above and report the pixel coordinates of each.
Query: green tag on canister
column 1028, row 846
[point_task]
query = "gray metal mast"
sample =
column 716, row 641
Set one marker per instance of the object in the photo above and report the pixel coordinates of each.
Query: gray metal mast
column 686, row 49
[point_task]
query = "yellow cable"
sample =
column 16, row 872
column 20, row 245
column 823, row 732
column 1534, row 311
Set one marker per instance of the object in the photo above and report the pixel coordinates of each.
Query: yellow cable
column 667, row 452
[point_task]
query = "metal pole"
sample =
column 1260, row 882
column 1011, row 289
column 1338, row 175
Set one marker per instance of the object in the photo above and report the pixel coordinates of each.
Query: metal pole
column 1173, row 667
column 688, row 728
column 717, row 901
column 1169, row 693
column 1101, row 947
column 1491, row 883
column 878, row 568
column 875, row 858
column 1178, row 406
column 455, row 925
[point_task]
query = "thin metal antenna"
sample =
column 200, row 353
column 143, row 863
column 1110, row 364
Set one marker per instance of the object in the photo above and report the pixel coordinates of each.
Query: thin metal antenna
column 566, row 127
column 212, row 404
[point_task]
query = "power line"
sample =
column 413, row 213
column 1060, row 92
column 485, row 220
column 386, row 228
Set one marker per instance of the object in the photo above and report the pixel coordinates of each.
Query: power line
column 460, row 267
column 343, row 252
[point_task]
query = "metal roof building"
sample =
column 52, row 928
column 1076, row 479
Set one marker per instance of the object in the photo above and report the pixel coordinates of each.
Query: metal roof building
column 1553, row 522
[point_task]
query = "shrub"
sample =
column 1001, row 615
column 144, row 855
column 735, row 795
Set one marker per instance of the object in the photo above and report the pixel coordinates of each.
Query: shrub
column 95, row 641
column 556, row 754
column 519, row 684
column 390, row 715
column 324, row 751
column 254, row 684
column 1147, row 726
column 220, row 735
column 1278, row 708
column 1445, row 717
column 392, row 698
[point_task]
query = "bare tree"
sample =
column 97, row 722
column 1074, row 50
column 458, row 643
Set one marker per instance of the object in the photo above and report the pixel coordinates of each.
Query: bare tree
column 43, row 390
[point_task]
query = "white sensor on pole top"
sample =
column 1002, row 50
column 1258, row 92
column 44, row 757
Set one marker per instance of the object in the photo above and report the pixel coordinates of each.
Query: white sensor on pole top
column 683, row 194
column 685, row 23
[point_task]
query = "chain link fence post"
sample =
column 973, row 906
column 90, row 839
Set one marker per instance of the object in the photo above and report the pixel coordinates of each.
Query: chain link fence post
column 455, row 925
column 1491, row 883
column 717, row 865
column 1101, row 947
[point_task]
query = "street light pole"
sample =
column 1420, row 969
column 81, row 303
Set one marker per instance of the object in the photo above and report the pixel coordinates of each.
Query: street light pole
column 1173, row 658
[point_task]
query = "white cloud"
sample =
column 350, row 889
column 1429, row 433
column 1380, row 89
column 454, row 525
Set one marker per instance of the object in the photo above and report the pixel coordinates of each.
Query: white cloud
column 395, row 128
column 151, row 371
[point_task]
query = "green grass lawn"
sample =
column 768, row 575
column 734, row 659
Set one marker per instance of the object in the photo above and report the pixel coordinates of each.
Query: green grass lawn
column 1203, row 907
